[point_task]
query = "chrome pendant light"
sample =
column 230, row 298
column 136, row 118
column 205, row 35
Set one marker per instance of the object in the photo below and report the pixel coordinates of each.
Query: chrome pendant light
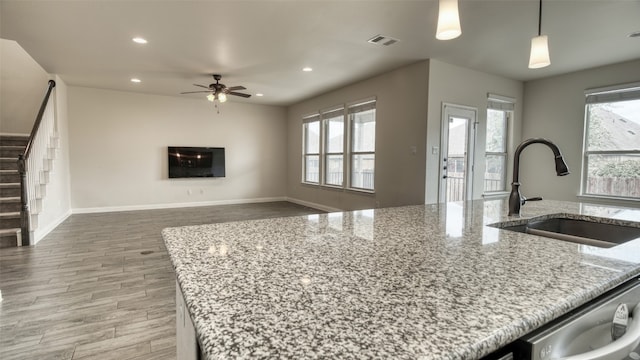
column 448, row 20
column 539, row 56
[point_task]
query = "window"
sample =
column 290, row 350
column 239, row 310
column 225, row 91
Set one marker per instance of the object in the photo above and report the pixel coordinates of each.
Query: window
column 311, row 150
column 333, row 122
column 611, row 163
column 362, row 118
column 324, row 159
column 499, row 110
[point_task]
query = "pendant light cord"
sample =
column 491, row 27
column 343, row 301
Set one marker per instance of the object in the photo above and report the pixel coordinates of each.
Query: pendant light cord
column 540, row 19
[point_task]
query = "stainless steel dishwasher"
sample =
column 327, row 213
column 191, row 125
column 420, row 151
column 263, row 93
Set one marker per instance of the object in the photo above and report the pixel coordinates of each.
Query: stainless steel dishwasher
column 588, row 333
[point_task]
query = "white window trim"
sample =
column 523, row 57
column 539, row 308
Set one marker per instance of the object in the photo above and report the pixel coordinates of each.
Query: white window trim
column 305, row 120
column 350, row 151
column 347, row 151
column 507, row 105
column 621, row 92
column 323, row 126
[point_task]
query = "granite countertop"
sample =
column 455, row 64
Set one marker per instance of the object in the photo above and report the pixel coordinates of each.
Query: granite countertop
column 416, row 282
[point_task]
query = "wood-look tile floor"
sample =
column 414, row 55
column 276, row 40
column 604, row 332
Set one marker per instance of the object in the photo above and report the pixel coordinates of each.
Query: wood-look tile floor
column 89, row 290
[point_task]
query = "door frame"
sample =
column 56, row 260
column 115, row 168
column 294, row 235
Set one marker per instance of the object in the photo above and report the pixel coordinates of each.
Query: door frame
column 461, row 111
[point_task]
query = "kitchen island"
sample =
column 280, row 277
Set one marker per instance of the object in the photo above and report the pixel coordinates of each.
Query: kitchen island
column 414, row 282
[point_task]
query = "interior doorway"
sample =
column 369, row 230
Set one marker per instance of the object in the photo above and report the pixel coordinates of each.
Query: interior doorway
column 457, row 160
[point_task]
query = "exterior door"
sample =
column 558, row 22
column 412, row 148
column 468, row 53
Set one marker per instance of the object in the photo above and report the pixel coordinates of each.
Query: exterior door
column 457, row 143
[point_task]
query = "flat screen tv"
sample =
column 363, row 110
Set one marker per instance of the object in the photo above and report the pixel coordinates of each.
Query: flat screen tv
column 196, row 162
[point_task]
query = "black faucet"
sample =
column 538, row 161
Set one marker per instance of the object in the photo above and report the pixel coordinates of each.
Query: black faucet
column 515, row 199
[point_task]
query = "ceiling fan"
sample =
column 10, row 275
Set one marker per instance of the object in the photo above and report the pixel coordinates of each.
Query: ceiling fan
column 219, row 91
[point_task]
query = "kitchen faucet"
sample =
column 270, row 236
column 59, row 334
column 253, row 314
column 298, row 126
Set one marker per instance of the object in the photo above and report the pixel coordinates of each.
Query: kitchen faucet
column 515, row 199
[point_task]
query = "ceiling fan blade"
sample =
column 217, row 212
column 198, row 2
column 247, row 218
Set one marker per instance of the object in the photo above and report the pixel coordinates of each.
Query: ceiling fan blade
column 239, row 94
column 202, row 86
column 234, row 88
column 193, row 92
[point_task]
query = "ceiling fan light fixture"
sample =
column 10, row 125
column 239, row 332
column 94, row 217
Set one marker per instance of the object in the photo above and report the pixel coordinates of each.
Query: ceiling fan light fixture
column 211, row 97
column 539, row 57
column 222, row 97
column 448, row 20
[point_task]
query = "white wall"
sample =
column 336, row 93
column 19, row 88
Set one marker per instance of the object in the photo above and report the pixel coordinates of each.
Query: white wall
column 461, row 86
column 554, row 109
column 119, row 140
column 56, row 206
column 400, row 125
column 23, row 84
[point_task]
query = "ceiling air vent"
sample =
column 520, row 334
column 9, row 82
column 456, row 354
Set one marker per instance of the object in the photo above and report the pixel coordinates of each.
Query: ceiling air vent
column 383, row 40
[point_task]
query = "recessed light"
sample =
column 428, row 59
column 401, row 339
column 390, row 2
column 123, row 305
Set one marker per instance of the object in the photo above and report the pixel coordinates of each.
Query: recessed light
column 634, row 34
column 139, row 40
column 258, row 94
column 135, row 80
column 307, row 69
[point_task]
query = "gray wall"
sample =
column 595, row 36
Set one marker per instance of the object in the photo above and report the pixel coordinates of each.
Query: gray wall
column 23, row 84
column 400, row 124
column 461, row 86
column 554, row 109
column 119, row 150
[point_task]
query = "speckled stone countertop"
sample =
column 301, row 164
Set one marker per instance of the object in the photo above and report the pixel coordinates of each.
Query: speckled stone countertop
column 416, row 282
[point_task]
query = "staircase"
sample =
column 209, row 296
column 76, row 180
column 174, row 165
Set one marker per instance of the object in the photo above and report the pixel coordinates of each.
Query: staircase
column 11, row 146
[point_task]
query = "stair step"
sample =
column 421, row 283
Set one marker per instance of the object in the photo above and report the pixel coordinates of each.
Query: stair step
column 17, row 140
column 10, row 189
column 11, row 151
column 10, row 237
column 10, row 204
column 8, row 163
column 9, row 176
column 10, row 220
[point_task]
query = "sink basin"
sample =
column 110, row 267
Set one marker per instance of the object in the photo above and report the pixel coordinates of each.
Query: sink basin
column 577, row 230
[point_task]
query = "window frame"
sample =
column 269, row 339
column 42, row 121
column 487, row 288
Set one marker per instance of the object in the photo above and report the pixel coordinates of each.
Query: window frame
column 305, row 122
column 352, row 152
column 605, row 95
column 347, row 146
column 507, row 106
column 325, row 117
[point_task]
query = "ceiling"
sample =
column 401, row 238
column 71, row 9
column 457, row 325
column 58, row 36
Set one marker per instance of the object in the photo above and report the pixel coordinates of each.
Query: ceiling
column 264, row 44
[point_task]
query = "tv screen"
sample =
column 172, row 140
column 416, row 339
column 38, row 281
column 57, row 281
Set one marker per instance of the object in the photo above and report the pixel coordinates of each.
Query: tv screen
column 190, row 162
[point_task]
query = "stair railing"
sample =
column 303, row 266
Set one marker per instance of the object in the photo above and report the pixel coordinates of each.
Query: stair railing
column 31, row 162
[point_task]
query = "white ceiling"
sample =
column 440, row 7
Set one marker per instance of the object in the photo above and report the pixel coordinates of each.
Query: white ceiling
column 264, row 44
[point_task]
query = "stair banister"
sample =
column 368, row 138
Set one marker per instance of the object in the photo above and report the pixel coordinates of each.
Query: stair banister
column 25, row 216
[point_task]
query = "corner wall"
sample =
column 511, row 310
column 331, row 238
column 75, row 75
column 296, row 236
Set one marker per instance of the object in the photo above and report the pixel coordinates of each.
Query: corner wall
column 401, row 110
column 119, row 142
column 554, row 109
column 461, row 86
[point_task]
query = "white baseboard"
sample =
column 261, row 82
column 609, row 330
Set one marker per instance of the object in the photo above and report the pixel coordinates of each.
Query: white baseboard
column 175, row 205
column 314, row 205
column 39, row 234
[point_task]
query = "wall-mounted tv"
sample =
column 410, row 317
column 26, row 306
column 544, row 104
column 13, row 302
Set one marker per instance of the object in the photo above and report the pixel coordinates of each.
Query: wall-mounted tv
column 190, row 162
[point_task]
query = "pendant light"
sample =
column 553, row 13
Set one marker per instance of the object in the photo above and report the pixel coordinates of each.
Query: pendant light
column 539, row 56
column 448, row 20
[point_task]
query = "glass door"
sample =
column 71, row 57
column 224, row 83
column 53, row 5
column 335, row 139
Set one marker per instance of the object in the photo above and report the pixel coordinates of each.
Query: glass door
column 458, row 136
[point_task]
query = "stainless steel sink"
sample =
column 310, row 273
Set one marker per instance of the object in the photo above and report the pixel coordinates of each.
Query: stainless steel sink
column 577, row 230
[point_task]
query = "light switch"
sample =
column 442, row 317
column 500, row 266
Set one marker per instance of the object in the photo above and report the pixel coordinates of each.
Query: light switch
column 435, row 150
